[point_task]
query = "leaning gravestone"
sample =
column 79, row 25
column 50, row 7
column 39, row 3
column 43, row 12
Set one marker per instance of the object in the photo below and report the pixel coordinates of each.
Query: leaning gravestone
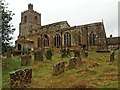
column 25, row 60
column 73, row 62
column 112, row 56
column 58, row 68
column 20, row 78
column 38, row 55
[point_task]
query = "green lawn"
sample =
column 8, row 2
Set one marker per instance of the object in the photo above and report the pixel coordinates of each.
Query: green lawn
column 102, row 76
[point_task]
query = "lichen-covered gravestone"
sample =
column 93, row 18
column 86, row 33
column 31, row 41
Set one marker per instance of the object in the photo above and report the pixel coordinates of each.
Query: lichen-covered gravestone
column 25, row 60
column 20, row 78
column 73, row 62
column 58, row 68
column 38, row 56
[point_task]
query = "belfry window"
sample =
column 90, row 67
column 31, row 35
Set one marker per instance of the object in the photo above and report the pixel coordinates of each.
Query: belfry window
column 92, row 38
column 25, row 18
column 57, row 41
column 46, row 41
column 67, row 39
column 39, row 42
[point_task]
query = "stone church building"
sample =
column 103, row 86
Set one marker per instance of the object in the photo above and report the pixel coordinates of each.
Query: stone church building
column 58, row 35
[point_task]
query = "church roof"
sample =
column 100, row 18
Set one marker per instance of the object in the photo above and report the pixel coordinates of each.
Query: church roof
column 56, row 24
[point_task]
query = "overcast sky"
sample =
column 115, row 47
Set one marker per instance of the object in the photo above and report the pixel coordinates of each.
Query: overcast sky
column 76, row 12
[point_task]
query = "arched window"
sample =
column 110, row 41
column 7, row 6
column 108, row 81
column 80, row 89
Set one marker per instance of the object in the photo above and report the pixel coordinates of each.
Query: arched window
column 35, row 18
column 46, row 41
column 67, row 39
column 57, row 41
column 92, row 38
column 19, row 47
column 39, row 42
column 25, row 18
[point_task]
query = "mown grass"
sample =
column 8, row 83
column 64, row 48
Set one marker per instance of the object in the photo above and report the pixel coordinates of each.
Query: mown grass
column 102, row 76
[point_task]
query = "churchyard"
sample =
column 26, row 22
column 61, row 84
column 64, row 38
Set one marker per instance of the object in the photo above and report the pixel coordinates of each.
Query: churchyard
column 92, row 71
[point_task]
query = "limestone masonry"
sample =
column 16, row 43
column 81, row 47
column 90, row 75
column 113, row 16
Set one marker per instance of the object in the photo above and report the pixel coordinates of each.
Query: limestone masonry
column 58, row 35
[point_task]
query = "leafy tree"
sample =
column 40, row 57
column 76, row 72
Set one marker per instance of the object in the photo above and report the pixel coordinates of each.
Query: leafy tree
column 7, row 27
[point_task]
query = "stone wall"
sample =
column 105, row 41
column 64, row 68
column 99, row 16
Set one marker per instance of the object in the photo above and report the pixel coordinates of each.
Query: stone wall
column 20, row 78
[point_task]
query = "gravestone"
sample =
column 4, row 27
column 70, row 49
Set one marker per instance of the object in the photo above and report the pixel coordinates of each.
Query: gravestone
column 38, row 56
column 49, row 54
column 68, row 53
column 25, row 60
column 63, row 53
column 58, row 68
column 112, row 56
column 76, row 53
column 84, row 53
column 20, row 78
column 73, row 62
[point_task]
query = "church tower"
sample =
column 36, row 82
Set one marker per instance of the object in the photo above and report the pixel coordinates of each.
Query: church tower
column 30, row 22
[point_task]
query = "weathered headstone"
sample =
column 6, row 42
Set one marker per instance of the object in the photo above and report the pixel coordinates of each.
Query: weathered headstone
column 68, row 52
column 84, row 53
column 49, row 54
column 38, row 56
column 73, row 62
column 76, row 53
column 20, row 78
column 58, row 68
column 25, row 60
column 112, row 56
column 63, row 53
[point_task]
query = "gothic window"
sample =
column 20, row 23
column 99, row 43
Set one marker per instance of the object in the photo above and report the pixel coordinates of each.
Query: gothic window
column 57, row 41
column 67, row 39
column 35, row 18
column 25, row 19
column 39, row 42
column 46, row 41
column 92, row 38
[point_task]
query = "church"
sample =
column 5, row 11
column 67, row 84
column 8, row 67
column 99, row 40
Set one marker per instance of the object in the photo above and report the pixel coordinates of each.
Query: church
column 58, row 35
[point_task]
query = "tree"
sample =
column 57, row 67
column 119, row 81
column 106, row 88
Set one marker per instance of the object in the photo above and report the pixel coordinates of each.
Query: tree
column 7, row 27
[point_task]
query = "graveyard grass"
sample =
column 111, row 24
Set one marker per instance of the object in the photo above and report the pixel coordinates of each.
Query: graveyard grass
column 94, row 72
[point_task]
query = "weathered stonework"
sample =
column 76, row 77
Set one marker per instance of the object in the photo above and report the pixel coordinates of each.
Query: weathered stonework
column 25, row 60
column 58, row 68
column 38, row 56
column 20, row 78
column 59, row 35
column 73, row 62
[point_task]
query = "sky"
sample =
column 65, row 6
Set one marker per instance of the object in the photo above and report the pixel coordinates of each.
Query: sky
column 76, row 12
